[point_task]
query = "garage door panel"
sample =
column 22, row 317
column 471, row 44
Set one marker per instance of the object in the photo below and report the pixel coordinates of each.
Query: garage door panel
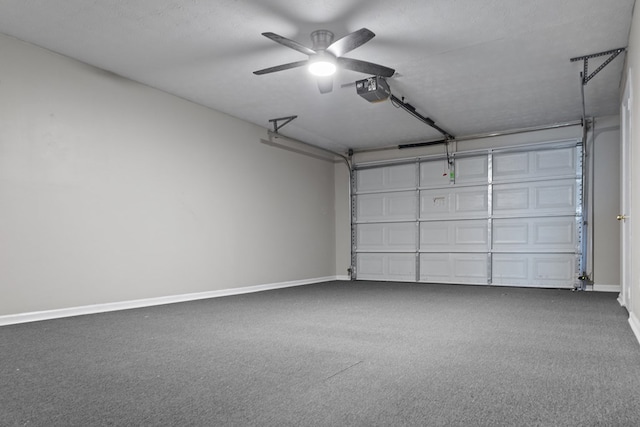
column 463, row 268
column 471, row 201
column 534, row 164
column 510, row 269
column 370, row 207
column 402, row 236
column 386, row 237
column 556, row 197
column 401, row 206
column 387, row 266
column 470, row 268
column 509, row 234
column 386, row 178
column 370, row 179
column 510, row 165
column 554, row 162
column 370, row 236
column 555, row 233
column 535, row 234
column 561, row 268
column 435, row 203
column 386, row 206
column 472, row 233
column 471, row 169
column 464, row 202
column 435, row 268
column 504, row 217
column 402, row 266
column 454, row 236
column 436, row 236
column 371, row 265
column 538, row 270
column 510, row 198
column 434, row 173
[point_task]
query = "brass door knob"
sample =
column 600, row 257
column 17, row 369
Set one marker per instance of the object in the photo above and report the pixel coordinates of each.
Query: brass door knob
column 621, row 217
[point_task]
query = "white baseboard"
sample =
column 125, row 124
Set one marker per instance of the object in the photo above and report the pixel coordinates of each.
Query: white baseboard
column 635, row 325
column 606, row 288
column 12, row 319
column 342, row 278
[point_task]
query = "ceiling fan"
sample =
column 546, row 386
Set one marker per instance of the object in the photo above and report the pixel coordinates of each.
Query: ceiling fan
column 326, row 55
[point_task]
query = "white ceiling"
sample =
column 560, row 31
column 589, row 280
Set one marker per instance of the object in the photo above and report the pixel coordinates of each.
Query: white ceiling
column 472, row 66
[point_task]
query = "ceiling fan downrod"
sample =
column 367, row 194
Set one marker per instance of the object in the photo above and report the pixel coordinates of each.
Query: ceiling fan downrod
column 321, row 39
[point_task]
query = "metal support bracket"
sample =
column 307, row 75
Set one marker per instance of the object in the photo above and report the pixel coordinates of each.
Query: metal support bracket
column 277, row 125
column 612, row 55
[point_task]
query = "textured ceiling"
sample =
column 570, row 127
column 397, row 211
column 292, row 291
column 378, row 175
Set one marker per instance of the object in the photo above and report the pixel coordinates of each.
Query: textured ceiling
column 472, row 66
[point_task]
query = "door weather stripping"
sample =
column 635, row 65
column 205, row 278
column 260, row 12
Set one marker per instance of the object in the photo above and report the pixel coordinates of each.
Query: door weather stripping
column 585, row 74
column 277, row 126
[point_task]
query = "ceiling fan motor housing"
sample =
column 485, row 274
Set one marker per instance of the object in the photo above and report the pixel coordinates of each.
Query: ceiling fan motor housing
column 321, row 39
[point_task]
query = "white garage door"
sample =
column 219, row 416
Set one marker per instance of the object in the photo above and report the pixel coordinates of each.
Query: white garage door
column 503, row 216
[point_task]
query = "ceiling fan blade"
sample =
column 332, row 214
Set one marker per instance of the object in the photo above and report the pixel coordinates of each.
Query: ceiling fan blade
column 325, row 84
column 289, row 43
column 350, row 41
column 282, row 67
column 365, row 67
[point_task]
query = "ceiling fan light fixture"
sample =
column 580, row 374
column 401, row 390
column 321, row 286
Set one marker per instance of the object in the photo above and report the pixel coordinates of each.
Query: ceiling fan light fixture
column 326, row 55
column 322, row 66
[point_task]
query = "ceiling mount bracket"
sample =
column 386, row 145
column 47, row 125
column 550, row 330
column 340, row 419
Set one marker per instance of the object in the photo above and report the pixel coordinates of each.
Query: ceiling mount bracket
column 612, row 55
column 277, row 125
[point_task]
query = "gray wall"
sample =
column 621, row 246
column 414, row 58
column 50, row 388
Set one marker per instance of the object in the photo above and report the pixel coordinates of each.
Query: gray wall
column 605, row 202
column 112, row 191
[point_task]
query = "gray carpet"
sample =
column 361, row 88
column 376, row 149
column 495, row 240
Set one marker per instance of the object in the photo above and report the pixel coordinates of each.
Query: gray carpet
column 332, row 354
